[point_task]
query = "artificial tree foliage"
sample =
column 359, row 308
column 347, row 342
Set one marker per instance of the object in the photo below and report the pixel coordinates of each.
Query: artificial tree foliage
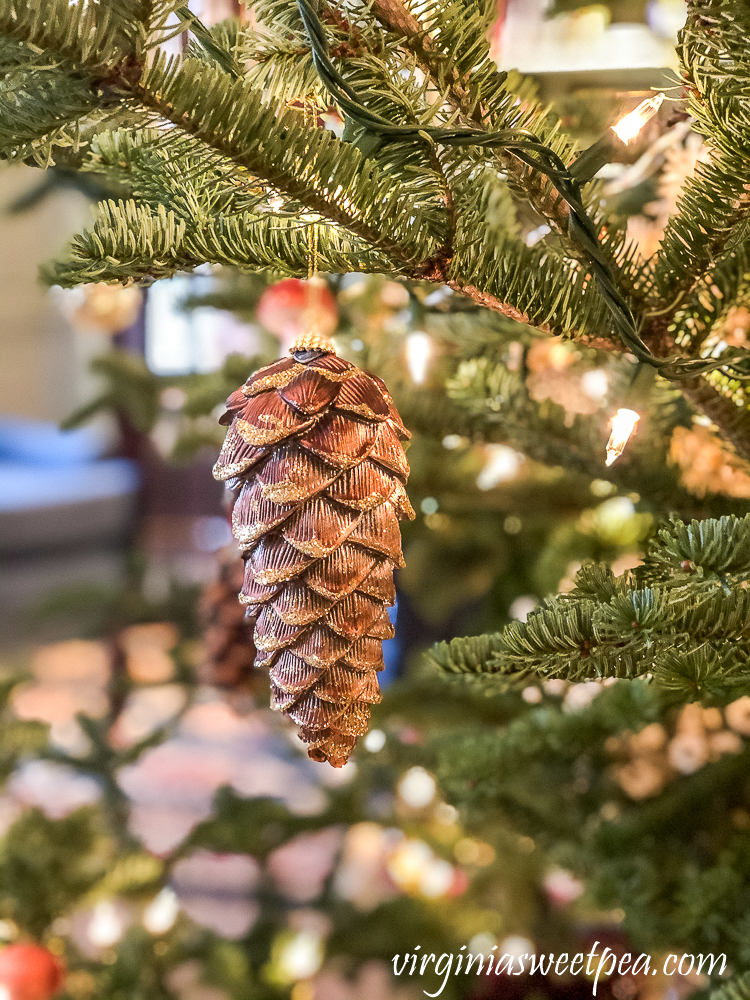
column 680, row 618
column 674, row 861
column 432, row 132
column 668, row 637
column 434, row 172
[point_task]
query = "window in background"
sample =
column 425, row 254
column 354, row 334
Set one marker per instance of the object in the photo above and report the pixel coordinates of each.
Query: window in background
column 180, row 341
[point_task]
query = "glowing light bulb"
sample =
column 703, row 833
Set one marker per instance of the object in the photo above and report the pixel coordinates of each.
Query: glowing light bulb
column 501, row 465
column 375, row 740
column 161, row 913
column 517, row 946
column 436, row 879
column 418, row 354
column 415, row 868
column 482, row 943
column 623, row 425
column 631, row 124
column 417, row 788
column 301, row 956
column 275, row 201
column 106, row 927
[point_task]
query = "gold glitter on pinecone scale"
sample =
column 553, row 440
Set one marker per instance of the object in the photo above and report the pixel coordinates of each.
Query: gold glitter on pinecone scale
column 314, row 449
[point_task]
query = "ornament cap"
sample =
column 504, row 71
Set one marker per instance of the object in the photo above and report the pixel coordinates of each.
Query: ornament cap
column 312, row 342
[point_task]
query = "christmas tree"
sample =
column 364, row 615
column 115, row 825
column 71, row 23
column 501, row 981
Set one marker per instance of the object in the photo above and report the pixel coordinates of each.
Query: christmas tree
column 605, row 733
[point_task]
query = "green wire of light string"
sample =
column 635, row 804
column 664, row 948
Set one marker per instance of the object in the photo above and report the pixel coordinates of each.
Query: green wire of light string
column 536, row 155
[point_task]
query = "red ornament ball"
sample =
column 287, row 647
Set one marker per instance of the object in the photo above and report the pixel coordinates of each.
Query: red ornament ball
column 292, row 308
column 29, row 972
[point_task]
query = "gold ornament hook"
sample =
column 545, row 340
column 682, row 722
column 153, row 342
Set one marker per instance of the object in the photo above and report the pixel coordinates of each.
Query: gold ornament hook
column 311, row 339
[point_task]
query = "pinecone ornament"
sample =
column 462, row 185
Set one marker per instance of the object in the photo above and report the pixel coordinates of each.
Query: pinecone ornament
column 229, row 655
column 314, row 448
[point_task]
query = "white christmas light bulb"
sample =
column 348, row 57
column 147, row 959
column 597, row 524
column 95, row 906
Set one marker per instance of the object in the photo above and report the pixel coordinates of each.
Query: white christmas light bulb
column 436, row 879
column 501, row 465
column 631, row 124
column 418, row 354
column 301, row 956
column 106, row 927
column 161, row 913
column 623, row 425
column 417, row 788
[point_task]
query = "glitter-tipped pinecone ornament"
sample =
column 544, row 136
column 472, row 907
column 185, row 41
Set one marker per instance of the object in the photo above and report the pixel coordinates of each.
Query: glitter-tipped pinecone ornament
column 314, row 448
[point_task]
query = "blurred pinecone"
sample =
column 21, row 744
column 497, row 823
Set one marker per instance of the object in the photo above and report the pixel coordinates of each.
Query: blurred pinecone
column 229, row 650
column 315, row 445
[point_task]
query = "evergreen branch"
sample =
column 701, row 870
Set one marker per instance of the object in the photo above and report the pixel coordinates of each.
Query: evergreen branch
column 40, row 108
column 257, row 242
column 489, row 301
column 561, row 639
column 414, row 208
column 486, row 101
column 278, row 55
column 310, row 166
column 176, row 174
column 732, row 420
column 716, row 547
column 282, row 73
column 582, row 230
column 690, row 631
column 547, row 292
column 169, row 242
column 83, row 33
column 705, row 673
column 722, row 286
column 714, row 210
column 712, row 47
column 208, row 42
column 491, row 769
column 466, row 656
column 487, row 402
column 669, row 855
column 139, row 25
column 713, row 215
column 127, row 242
column 737, row 988
column 459, row 36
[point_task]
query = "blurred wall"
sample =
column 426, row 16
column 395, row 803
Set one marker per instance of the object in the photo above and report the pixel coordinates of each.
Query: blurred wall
column 43, row 362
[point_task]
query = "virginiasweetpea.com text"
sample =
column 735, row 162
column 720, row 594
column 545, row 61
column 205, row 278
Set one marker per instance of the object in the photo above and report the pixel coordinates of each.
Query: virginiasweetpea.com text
column 595, row 965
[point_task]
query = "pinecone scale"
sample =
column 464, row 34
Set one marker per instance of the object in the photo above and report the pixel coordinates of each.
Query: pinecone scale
column 314, row 449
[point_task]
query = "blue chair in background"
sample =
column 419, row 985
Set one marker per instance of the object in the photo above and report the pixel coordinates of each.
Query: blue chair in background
column 66, row 512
